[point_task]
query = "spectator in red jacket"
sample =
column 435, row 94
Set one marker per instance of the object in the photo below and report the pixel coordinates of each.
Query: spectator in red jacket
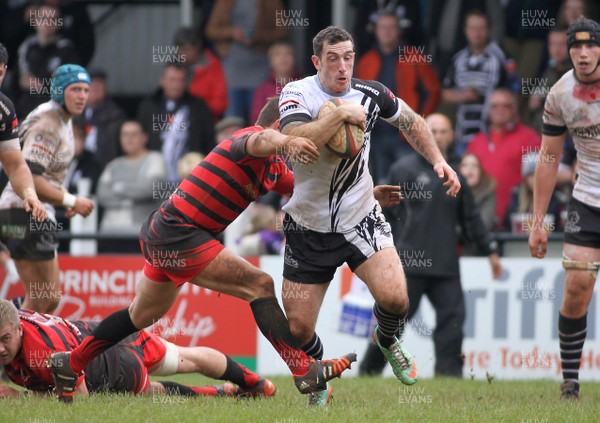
column 207, row 78
column 407, row 71
column 283, row 68
column 413, row 74
column 502, row 146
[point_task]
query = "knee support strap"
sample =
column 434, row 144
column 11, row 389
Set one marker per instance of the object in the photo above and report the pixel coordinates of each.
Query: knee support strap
column 590, row 266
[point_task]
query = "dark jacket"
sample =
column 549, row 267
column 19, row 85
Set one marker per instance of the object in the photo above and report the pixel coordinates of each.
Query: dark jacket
column 86, row 166
column 425, row 223
column 107, row 118
column 201, row 135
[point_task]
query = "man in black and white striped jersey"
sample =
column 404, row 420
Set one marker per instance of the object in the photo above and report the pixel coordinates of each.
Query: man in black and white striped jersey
column 474, row 73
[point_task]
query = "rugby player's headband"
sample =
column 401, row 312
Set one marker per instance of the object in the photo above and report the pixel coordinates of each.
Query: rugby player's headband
column 583, row 31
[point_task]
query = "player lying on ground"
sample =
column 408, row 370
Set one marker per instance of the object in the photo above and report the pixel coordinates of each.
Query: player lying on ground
column 179, row 244
column 27, row 339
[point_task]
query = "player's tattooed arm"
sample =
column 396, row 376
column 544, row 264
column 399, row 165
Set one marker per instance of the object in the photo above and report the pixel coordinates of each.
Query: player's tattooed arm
column 270, row 141
column 418, row 134
column 322, row 130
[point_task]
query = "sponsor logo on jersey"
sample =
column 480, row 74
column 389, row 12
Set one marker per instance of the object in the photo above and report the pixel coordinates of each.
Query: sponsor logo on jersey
column 368, row 88
column 289, row 105
column 289, row 93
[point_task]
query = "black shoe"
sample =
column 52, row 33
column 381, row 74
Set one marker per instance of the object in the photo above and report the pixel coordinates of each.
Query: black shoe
column 321, row 371
column 65, row 379
column 569, row 391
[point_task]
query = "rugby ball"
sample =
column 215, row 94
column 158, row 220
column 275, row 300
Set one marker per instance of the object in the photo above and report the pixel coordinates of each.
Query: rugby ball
column 349, row 139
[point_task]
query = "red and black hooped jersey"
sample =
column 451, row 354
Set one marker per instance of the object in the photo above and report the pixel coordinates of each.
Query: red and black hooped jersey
column 42, row 335
column 122, row 368
column 222, row 186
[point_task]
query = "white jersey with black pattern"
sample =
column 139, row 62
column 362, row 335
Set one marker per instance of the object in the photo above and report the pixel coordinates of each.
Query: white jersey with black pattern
column 48, row 149
column 333, row 194
column 575, row 106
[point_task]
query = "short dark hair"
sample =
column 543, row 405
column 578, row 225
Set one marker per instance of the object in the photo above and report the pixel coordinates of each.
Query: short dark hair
column 187, row 35
column 176, row 65
column 330, row 35
column 269, row 113
column 280, row 43
column 135, row 122
column 3, row 55
column 98, row 74
column 559, row 28
column 476, row 12
column 387, row 14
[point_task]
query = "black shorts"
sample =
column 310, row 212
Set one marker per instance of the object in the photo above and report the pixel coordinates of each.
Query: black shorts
column 313, row 257
column 583, row 225
column 25, row 237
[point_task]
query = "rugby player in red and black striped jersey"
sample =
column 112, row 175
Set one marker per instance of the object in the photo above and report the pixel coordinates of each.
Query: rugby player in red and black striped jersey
column 28, row 337
column 179, row 244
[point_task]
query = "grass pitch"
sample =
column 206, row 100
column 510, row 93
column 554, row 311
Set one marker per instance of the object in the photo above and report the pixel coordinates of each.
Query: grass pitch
column 362, row 400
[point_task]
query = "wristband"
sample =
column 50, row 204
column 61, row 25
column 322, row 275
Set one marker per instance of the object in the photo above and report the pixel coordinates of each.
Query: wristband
column 29, row 192
column 69, row 200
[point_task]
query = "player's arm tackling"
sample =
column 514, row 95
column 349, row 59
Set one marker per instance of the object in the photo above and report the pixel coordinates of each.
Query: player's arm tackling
column 270, row 141
column 322, row 130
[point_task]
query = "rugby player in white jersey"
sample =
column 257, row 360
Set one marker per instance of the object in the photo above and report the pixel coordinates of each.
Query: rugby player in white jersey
column 333, row 216
column 48, row 148
column 11, row 157
column 573, row 105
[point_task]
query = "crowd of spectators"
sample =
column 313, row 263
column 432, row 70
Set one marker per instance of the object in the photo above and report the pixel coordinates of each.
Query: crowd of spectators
column 486, row 64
